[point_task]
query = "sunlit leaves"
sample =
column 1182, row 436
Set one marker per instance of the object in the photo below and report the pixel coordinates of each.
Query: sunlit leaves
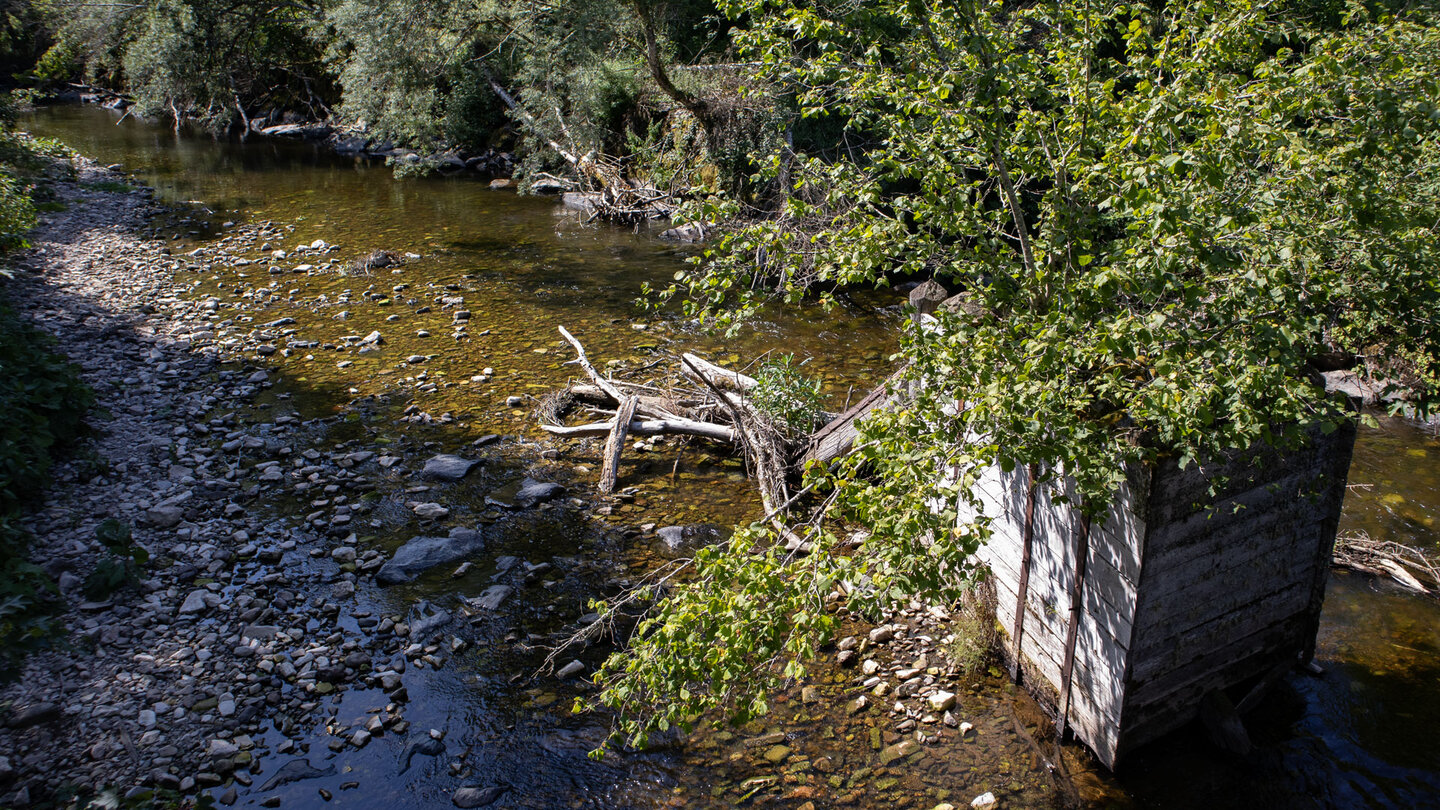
column 1213, row 195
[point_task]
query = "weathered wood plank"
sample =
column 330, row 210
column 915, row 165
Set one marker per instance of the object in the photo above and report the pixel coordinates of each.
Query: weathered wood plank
column 1225, row 590
column 1162, row 704
column 1168, row 552
column 1183, row 644
column 1225, row 583
column 838, row 437
column 1107, row 596
column 615, row 445
column 1097, row 692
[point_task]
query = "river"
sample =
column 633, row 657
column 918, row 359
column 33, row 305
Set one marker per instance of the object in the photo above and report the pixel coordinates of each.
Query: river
column 1360, row 735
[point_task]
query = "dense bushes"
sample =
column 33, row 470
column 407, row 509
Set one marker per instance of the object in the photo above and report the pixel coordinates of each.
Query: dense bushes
column 589, row 74
column 44, row 404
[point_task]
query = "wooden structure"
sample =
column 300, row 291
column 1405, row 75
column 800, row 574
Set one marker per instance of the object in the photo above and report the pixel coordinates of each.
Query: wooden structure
column 1127, row 625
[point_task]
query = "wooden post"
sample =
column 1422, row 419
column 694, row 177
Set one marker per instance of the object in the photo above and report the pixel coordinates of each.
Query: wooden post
column 925, row 298
column 615, row 444
column 1023, row 589
column 1082, row 554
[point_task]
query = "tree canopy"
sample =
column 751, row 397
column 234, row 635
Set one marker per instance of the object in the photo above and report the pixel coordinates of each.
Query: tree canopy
column 1164, row 219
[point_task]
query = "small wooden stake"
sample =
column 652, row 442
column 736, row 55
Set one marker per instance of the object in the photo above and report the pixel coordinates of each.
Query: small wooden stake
column 615, row 445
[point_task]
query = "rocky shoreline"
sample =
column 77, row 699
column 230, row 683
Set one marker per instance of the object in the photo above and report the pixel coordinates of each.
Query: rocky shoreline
column 241, row 618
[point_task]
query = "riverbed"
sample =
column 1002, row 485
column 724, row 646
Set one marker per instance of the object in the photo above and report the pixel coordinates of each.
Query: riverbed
column 520, row 267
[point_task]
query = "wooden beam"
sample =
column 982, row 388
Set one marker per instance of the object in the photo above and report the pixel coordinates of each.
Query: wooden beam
column 1082, row 553
column 837, row 438
column 1023, row 589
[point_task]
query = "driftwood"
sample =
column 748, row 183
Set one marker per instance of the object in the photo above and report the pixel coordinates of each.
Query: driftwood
column 1412, row 568
column 605, row 385
column 594, row 395
column 701, row 370
column 609, row 193
column 615, row 444
column 718, row 410
column 650, row 427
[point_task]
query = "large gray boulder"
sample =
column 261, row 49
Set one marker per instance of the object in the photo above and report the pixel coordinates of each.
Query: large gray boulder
column 421, row 554
column 446, row 467
column 533, row 493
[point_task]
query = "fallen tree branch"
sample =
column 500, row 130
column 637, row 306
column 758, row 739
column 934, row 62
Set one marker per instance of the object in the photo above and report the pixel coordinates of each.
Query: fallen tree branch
column 1411, row 567
column 649, row 427
column 702, row 370
column 605, row 385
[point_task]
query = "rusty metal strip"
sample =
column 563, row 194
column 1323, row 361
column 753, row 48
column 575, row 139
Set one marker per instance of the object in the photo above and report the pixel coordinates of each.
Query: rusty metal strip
column 1082, row 554
column 1023, row 591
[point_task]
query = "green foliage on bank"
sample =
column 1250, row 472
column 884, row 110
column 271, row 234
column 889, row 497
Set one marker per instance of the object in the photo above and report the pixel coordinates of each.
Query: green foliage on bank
column 419, row 73
column 44, row 403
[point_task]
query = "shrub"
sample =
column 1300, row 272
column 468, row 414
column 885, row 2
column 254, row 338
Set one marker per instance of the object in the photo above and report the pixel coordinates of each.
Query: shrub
column 17, row 212
column 121, row 567
column 787, row 395
column 27, row 601
column 44, row 403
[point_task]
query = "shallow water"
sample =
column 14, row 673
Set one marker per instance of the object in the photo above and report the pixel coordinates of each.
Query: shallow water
column 1360, row 735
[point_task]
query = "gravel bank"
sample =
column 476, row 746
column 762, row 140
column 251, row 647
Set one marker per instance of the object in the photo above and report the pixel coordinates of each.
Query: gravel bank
column 239, row 619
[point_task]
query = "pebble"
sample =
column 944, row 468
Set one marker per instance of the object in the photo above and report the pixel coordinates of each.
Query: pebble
column 941, row 701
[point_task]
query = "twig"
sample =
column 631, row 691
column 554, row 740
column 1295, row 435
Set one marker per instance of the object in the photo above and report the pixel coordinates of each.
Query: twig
column 605, row 385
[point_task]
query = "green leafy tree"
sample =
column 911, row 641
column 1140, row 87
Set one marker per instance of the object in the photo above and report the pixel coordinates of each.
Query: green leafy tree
column 1163, row 220
column 221, row 62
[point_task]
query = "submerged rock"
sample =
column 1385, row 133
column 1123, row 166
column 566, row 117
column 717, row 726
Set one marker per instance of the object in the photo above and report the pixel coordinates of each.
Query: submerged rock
column 420, row 744
column 294, row 771
column 492, row 597
column 689, row 232
column 471, row 796
column 533, row 493
column 421, row 554
column 446, row 467
column 676, row 537
column 427, row 620
column 376, row 260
